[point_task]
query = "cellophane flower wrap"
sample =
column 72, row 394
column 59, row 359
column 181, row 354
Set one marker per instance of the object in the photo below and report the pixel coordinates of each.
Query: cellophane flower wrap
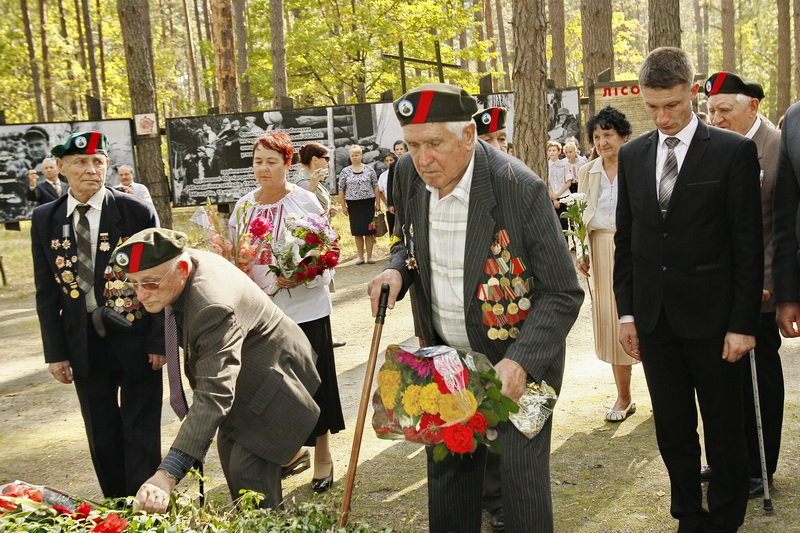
column 441, row 397
column 305, row 248
column 251, row 245
column 535, row 406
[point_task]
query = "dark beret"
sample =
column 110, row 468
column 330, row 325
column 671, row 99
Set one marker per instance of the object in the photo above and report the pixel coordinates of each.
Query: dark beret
column 435, row 102
column 730, row 83
column 490, row 120
column 86, row 142
column 149, row 248
column 36, row 131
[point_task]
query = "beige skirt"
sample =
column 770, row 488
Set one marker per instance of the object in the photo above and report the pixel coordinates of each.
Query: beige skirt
column 605, row 321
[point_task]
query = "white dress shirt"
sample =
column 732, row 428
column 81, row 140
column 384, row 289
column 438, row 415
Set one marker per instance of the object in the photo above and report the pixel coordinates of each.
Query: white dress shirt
column 685, row 137
column 93, row 216
column 447, row 222
column 605, row 214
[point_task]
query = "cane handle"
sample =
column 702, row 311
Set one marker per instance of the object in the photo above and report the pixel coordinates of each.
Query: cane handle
column 383, row 303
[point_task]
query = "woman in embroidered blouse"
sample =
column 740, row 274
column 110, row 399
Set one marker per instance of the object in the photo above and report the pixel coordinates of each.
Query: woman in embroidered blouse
column 360, row 199
column 598, row 179
column 309, row 305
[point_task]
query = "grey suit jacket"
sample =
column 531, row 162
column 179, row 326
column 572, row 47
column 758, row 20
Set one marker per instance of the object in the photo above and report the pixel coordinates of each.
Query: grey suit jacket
column 250, row 367
column 768, row 141
column 505, row 195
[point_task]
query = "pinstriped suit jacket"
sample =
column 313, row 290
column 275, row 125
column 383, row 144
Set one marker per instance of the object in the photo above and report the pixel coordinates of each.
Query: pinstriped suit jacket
column 505, row 194
column 250, row 367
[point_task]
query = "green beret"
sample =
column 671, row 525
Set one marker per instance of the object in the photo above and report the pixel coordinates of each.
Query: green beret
column 490, row 120
column 435, row 102
column 86, row 142
column 730, row 83
column 149, row 248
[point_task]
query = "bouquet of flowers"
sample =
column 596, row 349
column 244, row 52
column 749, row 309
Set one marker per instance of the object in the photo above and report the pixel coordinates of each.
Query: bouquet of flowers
column 576, row 205
column 441, row 397
column 252, row 243
column 305, row 248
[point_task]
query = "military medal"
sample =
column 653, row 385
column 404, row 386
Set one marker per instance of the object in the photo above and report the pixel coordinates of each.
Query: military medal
column 59, row 261
column 513, row 332
column 504, row 281
column 506, row 256
column 524, row 304
column 67, row 276
column 55, row 244
column 486, row 306
column 513, row 308
column 498, row 309
column 138, row 314
column 493, row 282
column 495, row 249
column 130, row 317
column 502, row 334
column 104, row 245
column 119, row 302
column 74, row 293
column 66, row 243
column 492, row 334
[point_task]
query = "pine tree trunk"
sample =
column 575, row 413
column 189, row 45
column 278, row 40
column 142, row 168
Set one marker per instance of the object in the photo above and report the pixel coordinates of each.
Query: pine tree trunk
column 46, row 78
column 225, row 55
column 240, row 25
column 134, row 16
column 207, row 18
column 87, row 25
column 487, row 16
column 558, row 62
column 73, row 104
column 37, row 82
column 200, row 39
column 280, row 84
column 700, row 38
column 479, row 35
column 100, row 44
column 728, row 36
column 796, row 17
column 190, row 51
column 665, row 24
column 462, row 44
column 598, row 43
column 501, row 35
column 530, row 83
column 784, row 58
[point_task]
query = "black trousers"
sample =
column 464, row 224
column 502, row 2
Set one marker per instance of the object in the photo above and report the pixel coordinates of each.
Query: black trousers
column 771, row 395
column 677, row 369
column 122, row 419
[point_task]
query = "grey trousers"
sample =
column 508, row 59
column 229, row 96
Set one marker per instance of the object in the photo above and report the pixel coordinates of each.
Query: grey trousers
column 247, row 471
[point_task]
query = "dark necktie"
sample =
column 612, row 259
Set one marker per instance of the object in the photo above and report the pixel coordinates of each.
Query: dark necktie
column 84, row 243
column 669, row 175
column 177, row 398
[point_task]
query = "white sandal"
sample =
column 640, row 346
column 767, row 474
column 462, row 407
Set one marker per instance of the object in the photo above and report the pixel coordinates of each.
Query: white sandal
column 618, row 415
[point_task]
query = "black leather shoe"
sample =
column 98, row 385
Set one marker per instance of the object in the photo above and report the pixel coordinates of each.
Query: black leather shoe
column 339, row 344
column 705, row 473
column 756, row 489
column 301, row 464
column 324, row 484
column 498, row 520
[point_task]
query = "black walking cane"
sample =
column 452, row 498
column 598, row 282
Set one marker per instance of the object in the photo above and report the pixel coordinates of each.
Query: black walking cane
column 362, row 408
column 760, row 428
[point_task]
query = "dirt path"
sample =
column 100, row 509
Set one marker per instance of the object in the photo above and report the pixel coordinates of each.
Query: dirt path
column 606, row 478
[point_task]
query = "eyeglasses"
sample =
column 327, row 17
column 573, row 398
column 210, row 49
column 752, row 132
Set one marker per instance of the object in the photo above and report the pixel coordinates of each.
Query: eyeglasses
column 326, row 157
column 147, row 285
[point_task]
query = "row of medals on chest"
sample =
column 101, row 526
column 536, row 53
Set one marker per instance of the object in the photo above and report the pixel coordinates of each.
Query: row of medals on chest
column 495, row 289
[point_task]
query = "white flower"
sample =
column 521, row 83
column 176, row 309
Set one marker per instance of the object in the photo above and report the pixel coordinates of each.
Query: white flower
column 574, row 198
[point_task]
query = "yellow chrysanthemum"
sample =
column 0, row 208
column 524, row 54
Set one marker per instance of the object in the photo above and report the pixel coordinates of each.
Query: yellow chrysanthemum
column 389, row 381
column 458, row 406
column 389, row 398
column 411, row 397
column 429, row 398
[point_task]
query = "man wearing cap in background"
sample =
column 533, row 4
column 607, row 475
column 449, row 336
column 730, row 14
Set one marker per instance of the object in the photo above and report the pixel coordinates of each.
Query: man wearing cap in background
column 471, row 218
column 37, row 142
column 126, row 183
column 250, row 367
column 95, row 333
column 50, row 188
column 733, row 105
column 490, row 124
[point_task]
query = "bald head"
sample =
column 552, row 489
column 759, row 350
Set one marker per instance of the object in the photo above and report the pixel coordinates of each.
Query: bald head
column 125, row 174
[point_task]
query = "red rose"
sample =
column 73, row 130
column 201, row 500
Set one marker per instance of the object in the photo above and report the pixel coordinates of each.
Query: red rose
column 112, row 524
column 437, row 377
column 61, row 510
column 313, row 238
column 478, row 423
column 458, row 438
column 260, row 227
column 83, row 510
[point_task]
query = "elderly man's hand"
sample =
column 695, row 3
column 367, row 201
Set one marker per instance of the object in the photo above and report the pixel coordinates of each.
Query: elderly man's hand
column 513, row 376
column 736, row 345
column 156, row 360
column 788, row 318
column 153, row 495
column 395, row 281
column 61, row 371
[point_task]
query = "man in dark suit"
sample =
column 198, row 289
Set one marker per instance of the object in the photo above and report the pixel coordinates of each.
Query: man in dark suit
column 733, row 105
column 95, row 333
column 477, row 238
column 688, row 275
column 250, row 367
column 50, row 188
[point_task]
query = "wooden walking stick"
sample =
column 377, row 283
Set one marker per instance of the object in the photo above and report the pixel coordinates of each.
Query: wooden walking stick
column 362, row 408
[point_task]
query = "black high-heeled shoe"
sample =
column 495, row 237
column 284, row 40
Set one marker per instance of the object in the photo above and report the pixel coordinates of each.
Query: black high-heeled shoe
column 324, row 484
column 301, row 464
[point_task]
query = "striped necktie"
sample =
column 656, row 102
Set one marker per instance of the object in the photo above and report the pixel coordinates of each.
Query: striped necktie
column 669, row 175
column 84, row 242
column 177, row 397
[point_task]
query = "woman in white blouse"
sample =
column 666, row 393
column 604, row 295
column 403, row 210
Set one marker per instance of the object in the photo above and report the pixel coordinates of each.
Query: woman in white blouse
column 309, row 305
column 598, row 180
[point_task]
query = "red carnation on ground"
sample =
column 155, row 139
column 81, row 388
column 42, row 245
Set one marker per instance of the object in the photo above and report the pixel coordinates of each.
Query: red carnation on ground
column 478, row 423
column 458, row 438
column 112, row 524
column 83, row 510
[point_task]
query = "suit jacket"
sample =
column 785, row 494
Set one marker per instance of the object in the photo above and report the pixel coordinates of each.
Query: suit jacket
column 768, row 141
column 703, row 263
column 785, row 219
column 505, row 195
column 251, row 368
column 61, row 306
column 44, row 192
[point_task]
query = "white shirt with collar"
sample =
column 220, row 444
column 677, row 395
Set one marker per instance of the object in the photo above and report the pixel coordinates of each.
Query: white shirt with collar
column 447, row 233
column 754, row 128
column 685, row 136
column 93, row 216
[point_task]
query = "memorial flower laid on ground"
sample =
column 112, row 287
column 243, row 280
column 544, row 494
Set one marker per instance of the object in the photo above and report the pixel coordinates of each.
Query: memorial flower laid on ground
column 441, row 397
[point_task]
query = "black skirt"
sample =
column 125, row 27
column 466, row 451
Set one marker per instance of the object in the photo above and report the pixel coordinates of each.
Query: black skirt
column 361, row 214
column 331, row 418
